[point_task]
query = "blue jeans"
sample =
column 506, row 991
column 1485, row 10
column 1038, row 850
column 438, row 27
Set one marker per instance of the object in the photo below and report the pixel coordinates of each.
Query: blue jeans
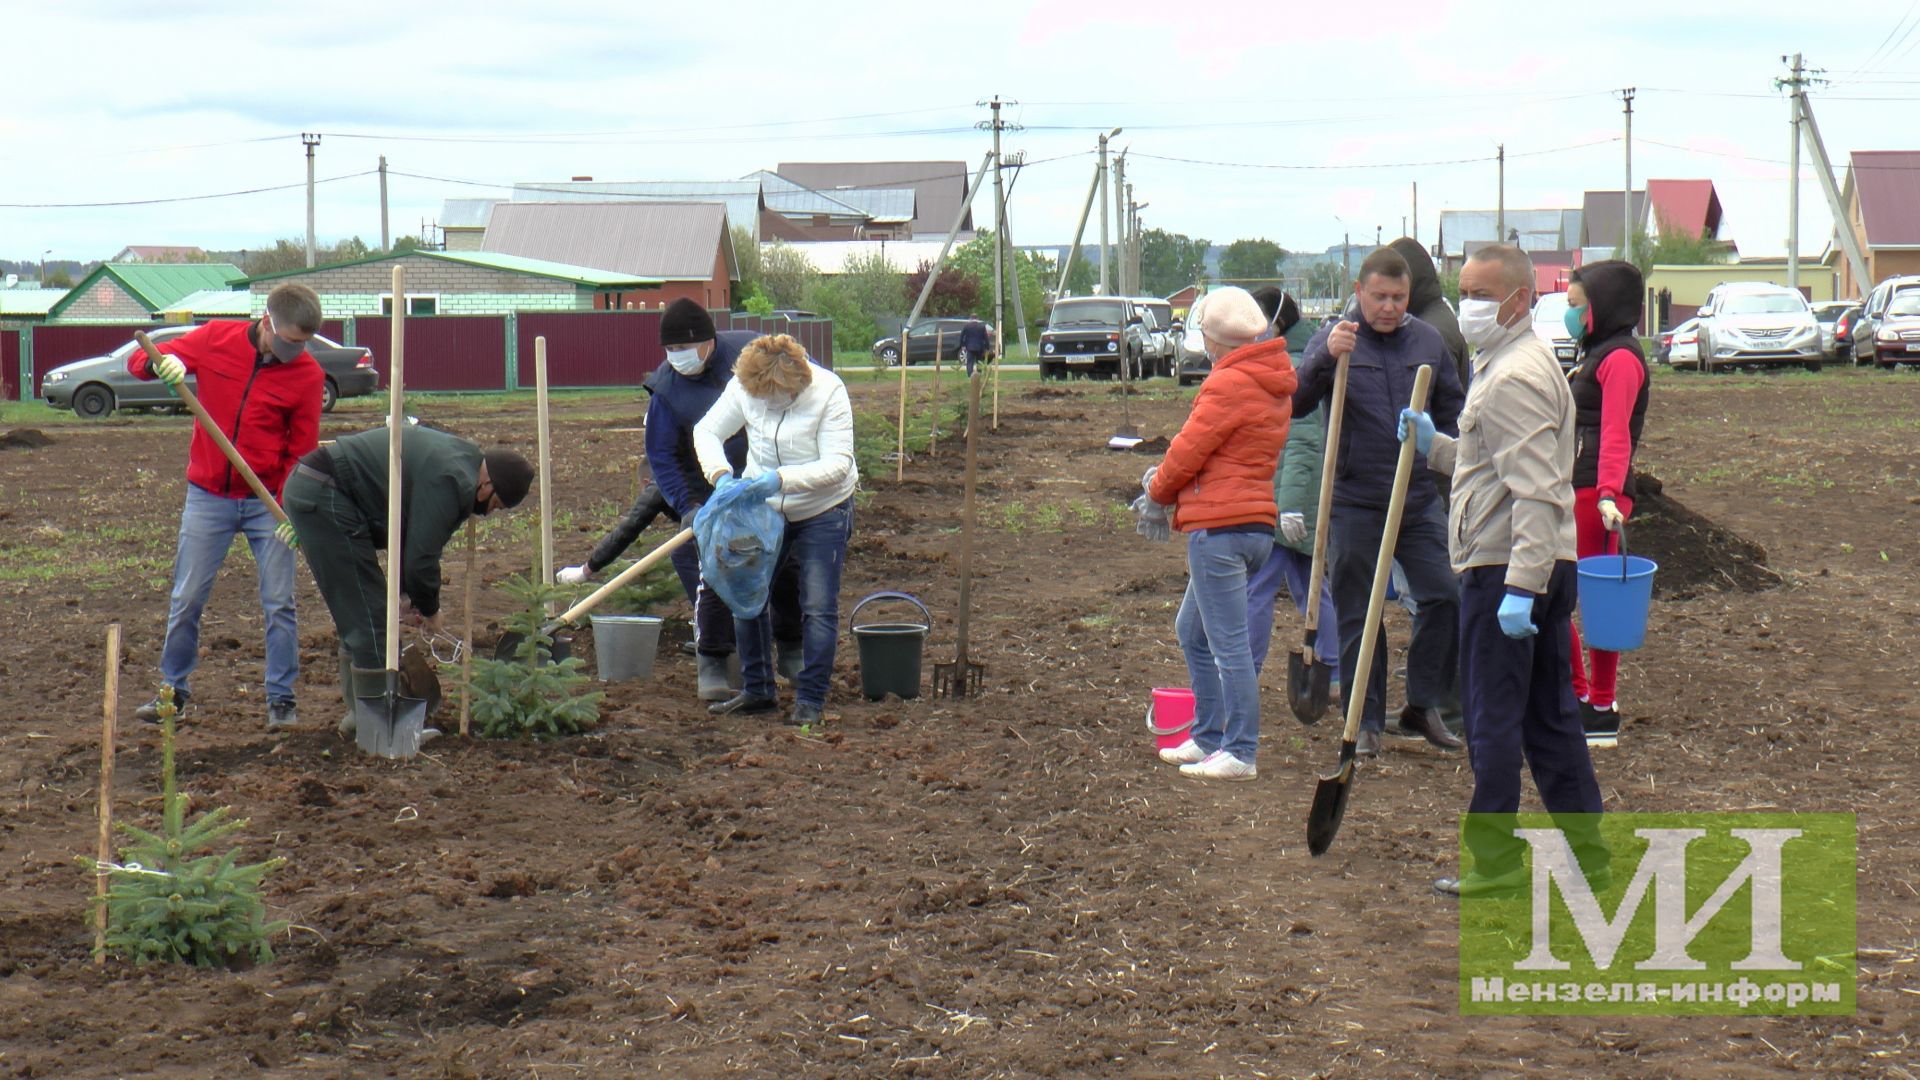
column 1212, row 628
column 817, row 549
column 1289, row 566
column 208, row 524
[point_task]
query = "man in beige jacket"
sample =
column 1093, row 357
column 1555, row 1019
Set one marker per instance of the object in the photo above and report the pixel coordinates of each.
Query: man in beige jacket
column 1511, row 538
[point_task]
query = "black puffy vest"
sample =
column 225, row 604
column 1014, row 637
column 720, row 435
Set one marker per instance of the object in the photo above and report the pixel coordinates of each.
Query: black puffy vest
column 1586, row 409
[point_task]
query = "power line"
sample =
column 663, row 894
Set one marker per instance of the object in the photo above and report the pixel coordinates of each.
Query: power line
column 491, row 140
column 612, row 196
column 179, row 198
column 1373, row 165
column 542, row 135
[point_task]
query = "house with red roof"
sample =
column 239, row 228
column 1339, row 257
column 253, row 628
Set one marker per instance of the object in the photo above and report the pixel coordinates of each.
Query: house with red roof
column 1882, row 197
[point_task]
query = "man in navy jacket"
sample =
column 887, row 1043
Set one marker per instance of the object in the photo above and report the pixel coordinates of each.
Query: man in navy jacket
column 1386, row 347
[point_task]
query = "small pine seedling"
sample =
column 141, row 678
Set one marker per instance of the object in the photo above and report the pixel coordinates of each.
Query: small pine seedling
column 525, row 696
column 173, row 899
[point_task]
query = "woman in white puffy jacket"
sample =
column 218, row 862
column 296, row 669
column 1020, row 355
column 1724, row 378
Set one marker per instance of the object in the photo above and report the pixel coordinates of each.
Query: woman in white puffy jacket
column 800, row 455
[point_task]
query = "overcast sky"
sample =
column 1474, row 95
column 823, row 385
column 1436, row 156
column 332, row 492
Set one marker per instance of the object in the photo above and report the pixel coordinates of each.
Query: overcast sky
column 111, row 101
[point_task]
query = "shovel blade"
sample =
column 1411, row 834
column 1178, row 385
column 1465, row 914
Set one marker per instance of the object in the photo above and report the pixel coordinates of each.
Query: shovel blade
column 1330, row 803
column 1309, row 687
column 508, row 647
column 389, row 725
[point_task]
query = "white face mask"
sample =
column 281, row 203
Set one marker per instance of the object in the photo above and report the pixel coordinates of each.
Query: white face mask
column 1480, row 320
column 686, row 361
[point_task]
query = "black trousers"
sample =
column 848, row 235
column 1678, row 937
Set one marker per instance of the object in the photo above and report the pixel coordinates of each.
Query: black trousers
column 1421, row 550
column 338, row 543
column 1520, row 708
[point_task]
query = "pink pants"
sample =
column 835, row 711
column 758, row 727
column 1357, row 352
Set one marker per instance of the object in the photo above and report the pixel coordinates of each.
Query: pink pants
column 1595, row 670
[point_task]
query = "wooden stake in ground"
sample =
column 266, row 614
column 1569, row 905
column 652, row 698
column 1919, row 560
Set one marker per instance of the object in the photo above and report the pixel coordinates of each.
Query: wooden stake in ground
column 900, row 451
column 939, row 348
column 110, row 712
column 546, row 463
column 466, row 657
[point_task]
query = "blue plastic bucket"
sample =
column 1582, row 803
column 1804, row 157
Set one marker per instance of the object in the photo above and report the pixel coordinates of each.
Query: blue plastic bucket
column 1615, row 593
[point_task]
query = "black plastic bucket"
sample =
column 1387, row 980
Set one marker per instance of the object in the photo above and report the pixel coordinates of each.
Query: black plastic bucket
column 890, row 652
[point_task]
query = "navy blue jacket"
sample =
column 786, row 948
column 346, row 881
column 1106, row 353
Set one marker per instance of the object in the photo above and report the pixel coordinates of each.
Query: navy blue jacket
column 973, row 338
column 679, row 401
column 1379, row 385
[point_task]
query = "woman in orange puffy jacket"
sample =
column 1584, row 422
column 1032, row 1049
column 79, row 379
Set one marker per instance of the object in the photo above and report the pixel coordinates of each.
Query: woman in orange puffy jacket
column 1218, row 477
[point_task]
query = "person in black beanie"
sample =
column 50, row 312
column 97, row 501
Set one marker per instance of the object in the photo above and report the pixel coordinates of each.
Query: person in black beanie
column 699, row 363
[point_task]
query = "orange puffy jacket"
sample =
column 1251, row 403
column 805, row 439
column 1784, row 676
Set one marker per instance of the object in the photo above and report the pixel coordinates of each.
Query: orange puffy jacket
column 1219, row 470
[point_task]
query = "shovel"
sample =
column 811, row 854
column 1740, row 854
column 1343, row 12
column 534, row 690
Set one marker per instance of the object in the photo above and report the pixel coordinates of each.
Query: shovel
column 391, row 724
column 962, row 677
column 1309, row 687
column 1330, row 795
column 213, row 431
column 509, row 644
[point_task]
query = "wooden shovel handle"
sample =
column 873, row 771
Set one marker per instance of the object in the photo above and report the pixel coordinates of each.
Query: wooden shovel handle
column 593, row 599
column 213, row 431
column 1329, row 464
column 1383, row 570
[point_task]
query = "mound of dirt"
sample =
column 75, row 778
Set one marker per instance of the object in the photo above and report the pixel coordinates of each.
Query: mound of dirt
column 1695, row 555
column 25, row 439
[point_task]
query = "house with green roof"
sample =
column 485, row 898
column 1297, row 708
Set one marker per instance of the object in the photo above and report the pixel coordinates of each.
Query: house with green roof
column 462, row 283
column 138, row 292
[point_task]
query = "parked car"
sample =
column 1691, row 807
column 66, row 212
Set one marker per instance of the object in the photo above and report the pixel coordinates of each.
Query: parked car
column 1093, row 335
column 927, row 335
column 1756, row 322
column 1827, row 313
column 1867, row 326
column 95, row 387
column 1680, row 346
column 1896, row 337
column 1195, row 365
column 1550, row 326
column 1843, row 330
column 1163, row 353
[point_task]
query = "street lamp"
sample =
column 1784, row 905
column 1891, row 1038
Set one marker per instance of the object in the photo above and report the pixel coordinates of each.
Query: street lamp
column 43, row 267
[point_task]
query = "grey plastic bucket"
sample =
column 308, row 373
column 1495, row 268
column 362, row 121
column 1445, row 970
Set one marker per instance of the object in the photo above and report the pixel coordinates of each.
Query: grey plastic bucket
column 624, row 646
column 890, row 652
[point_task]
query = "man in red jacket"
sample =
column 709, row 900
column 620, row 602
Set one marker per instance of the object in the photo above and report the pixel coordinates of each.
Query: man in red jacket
column 258, row 383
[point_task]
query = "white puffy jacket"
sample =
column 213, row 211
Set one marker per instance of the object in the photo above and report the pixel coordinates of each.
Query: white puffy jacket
column 809, row 443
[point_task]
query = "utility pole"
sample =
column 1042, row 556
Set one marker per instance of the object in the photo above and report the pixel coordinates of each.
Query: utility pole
column 1132, row 274
column 1378, row 231
column 1416, row 211
column 1500, row 216
column 384, row 244
column 1066, row 264
column 1346, row 255
column 1795, row 82
column 1823, row 169
column 1106, row 253
column 309, row 141
column 1626, row 194
column 1000, row 250
column 1120, row 213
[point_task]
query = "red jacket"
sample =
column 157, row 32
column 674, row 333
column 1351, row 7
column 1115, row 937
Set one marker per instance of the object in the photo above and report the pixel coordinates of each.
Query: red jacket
column 270, row 411
column 1219, row 470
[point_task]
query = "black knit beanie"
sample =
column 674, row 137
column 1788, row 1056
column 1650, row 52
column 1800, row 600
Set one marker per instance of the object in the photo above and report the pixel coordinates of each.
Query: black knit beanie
column 685, row 323
column 511, row 475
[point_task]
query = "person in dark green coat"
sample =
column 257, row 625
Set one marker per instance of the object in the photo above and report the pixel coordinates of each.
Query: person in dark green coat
column 337, row 502
column 1296, row 490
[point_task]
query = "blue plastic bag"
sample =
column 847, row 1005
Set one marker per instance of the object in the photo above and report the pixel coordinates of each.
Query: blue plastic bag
column 739, row 536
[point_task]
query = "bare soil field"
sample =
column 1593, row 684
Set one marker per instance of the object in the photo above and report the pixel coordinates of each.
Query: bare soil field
column 1005, row 886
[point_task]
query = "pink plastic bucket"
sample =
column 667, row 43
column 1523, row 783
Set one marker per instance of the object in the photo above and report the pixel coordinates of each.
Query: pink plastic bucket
column 1170, row 717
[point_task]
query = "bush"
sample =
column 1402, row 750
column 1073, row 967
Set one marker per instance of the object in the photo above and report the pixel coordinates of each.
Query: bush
column 526, row 696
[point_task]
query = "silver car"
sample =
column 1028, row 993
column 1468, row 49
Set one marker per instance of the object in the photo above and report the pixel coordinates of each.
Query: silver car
column 94, row 388
column 1550, row 326
column 1754, row 322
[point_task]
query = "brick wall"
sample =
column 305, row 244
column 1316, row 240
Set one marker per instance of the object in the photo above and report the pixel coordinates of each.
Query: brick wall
column 105, row 301
column 356, row 290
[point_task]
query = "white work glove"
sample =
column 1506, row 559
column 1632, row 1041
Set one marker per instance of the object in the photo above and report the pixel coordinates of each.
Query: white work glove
column 168, row 369
column 573, row 575
column 1610, row 515
column 1293, row 526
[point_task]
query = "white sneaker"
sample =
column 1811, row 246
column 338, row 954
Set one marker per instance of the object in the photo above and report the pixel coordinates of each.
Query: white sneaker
column 1220, row 765
column 1186, row 753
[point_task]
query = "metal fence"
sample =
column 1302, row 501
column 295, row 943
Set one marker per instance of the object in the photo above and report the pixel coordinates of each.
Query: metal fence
column 444, row 352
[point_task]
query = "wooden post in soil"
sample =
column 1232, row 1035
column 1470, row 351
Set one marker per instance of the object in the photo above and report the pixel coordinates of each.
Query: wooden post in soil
column 939, row 349
column 466, row 656
column 900, row 450
column 110, row 710
column 546, row 465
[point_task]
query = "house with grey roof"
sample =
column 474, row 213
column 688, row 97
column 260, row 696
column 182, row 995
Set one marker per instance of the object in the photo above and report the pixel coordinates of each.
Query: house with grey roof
column 940, row 188
column 458, row 283
column 685, row 246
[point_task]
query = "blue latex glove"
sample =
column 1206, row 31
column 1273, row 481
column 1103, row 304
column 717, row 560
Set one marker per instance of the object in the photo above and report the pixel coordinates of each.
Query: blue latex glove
column 1422, row 427
column 766, row 485
column 1516, row 616
column 726, row 481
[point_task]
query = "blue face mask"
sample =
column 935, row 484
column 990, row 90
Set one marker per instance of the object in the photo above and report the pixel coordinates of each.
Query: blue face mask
column 1576, row 322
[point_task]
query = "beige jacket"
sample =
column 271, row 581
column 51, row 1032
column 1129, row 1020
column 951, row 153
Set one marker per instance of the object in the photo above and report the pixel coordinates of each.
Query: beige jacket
column 1512, row 465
